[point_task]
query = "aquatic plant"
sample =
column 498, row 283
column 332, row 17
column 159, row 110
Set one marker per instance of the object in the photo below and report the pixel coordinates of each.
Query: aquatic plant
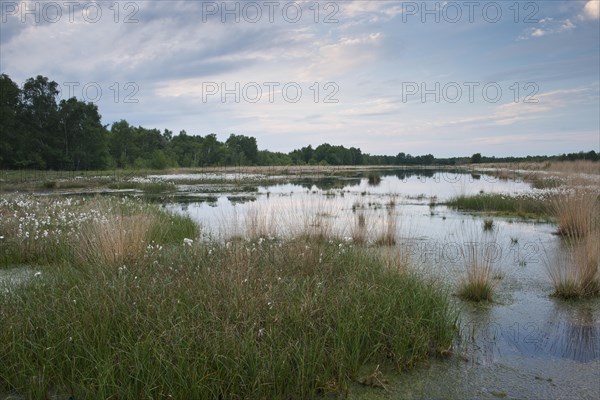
column 387, row 233
column 488, row 224
column 574, row 270
column 264, row 319
column 523, row 205
column 576, row 211
column 478, row 254
column 359, row 231
column 374, row 178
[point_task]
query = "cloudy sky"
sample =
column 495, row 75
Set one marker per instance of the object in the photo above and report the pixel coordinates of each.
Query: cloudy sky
column 447, row 78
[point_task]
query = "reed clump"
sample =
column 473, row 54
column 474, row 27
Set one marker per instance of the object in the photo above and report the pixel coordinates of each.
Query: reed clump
column 359, row 231
column 574, row 270
column 115, row 240
column 478, row 253
column 576, row 211
column 374, row 178
column 387, row 234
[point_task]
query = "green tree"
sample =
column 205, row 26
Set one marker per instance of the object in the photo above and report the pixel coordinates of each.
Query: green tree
column 10, row 134
column 213, row 152
column 243, row 148
column 476, row 158
column 122, row 145
column 84, row 137
column 39, row 114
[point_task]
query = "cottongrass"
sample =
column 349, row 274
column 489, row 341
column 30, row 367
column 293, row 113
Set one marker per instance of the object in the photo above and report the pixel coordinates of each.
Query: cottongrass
column 138, row 307
column 237, row 320
column 532, row 204
column 44, row 230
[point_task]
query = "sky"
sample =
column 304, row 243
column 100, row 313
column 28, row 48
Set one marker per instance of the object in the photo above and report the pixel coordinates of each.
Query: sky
column 450, row 78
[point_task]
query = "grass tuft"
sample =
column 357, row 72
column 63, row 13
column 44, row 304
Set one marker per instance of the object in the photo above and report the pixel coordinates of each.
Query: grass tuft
column 359, row 231
column 576, row 212
column 114, row 241
column 574, row 271
column 478, row 255
column 387, row 235
column 374, row 179
column 523, row 206
column 488, row 224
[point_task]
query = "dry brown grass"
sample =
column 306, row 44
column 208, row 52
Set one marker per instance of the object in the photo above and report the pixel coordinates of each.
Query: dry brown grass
column 561, row 167
column 359, row 232
column 260, row 223
column 587, row 258
column 387, row 234
column 574, row 270
column 115, row 241
column 576, row 212
column 478, row 254
column 574, row 167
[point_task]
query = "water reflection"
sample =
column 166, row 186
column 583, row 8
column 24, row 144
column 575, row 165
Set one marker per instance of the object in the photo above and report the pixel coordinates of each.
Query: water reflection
column 574, row 333
column 327, row 183
column 567, row 331
column 422, row 174
column 295, row 203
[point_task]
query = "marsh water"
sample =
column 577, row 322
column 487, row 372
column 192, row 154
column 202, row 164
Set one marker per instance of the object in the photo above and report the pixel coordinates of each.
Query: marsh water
column 524, row 344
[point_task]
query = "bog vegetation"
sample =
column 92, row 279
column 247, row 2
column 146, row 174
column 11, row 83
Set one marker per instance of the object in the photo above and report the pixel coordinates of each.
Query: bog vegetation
column 123, row 300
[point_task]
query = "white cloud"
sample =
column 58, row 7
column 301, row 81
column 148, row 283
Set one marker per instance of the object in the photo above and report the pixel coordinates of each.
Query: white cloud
column 360, row 8
column 548, row 26
column 567, row 25
column 374, row 107
column 539, row 106
column 538, row 32
column 333, row 59
column 592, row 9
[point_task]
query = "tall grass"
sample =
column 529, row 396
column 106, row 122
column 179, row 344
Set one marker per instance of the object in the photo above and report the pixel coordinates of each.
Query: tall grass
column 139, row 308
column 478, row 255
column 574, row 270
column 359, row 232
column 114, row 241
column 574, row 273
column 316, row 220
column 260, row 223
column 239, row 320
column 374, row 178
column 387, row 233
column 575, row 167
column 576, row 211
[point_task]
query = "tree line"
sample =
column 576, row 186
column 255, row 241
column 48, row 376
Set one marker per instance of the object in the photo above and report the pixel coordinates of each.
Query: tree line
column 39, row 132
